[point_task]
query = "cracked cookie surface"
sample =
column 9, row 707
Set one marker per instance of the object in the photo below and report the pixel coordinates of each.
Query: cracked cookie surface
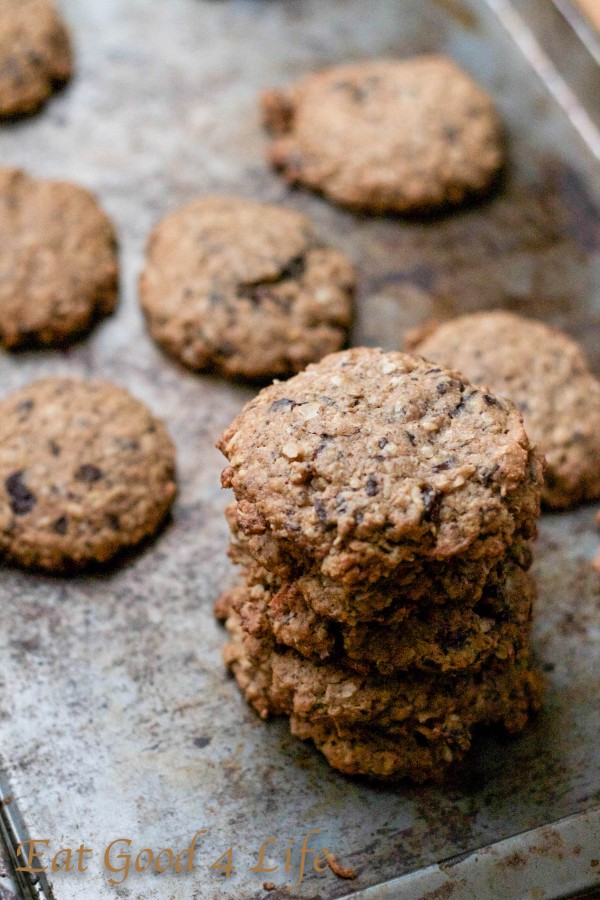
column 370, row 460
column 387, row 135
column 85, row 472
column 545, row 373
column 35, row 55
column 58, row 261
column 244, row 289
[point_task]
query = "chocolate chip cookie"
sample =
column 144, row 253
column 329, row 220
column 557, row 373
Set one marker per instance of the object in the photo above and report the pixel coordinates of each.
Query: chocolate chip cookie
column 58, row 261
column 544, row 372
column 368, row 460
column 387, row 135
column 35, row 55
column 85, row 472
column 244, row 289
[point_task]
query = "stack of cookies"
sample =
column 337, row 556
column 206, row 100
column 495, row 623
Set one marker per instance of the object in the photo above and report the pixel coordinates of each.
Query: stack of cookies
column 383, row 518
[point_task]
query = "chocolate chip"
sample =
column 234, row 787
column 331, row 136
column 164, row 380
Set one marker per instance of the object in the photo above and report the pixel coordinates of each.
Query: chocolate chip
column 127, row 443
column 22, row 500
column 372, row 487
column 284, row 403
column 24, row 408
column 225, row 349
column 441, row 388
column 114, row 522
column 89, row 473
column 432, row 500
column 61, row 525
column 411, row 437
column 442, row 467
column 458, row 408
column 487, row 475
column 201, row 742
column 54, row 448
column 321, row 511
column 491, row 401
column 294, row 270
column 383, row 442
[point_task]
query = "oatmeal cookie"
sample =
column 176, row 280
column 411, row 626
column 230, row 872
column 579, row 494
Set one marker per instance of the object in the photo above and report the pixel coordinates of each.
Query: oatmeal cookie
column 369, row 460
column 245, row 289
column 544, row 372
column 58, row 261
column 85, row 472
column 35, row 55
column 387, row 135
column 444, row 639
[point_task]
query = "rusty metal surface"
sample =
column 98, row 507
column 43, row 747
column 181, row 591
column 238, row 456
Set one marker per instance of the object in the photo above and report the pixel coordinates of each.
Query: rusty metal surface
column 116, row 717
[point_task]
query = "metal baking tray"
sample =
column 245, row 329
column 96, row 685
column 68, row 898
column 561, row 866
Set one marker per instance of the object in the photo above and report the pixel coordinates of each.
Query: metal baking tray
column 117, row 719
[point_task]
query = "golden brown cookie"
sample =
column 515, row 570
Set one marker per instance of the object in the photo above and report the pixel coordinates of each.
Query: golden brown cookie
column 35, row 55
column 369, row 460
column 85, row 472
column 544, row 372
column 245, row 289
column 58, row 261
column 387, row 135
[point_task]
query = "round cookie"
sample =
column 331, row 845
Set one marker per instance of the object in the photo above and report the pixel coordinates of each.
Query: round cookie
column 35, row 55
column 387, row 135
column 544, row 372
column 85, row 472
column 280, row 682
column 58, row 261
column 460, row 580
column 244, row 289
column 426, row 753
column 369, row 460
column 443, row 639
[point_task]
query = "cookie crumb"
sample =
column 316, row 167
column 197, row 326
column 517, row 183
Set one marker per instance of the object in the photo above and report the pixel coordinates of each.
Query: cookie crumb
column 269, row 886
column 339, row 870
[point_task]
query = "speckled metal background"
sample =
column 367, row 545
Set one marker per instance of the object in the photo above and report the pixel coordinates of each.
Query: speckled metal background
column 117, row 719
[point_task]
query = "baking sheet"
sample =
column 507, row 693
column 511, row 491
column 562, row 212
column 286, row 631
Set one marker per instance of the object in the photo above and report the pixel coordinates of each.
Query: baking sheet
column 117, row 719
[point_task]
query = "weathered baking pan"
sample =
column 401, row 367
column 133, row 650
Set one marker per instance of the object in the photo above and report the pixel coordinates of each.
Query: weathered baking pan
column 117, row 720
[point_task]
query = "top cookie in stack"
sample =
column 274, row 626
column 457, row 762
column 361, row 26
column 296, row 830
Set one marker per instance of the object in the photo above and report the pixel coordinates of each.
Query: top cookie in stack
column 383, row 518
column 372, row 460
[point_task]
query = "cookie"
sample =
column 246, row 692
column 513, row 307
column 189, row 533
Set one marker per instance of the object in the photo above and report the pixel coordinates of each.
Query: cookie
column 85, row 472
column 277, row 682
column 387, row 135
column 442, row 639
column 35, row 55
column 461, row 579
column 58, row 259
column 426, row 753
column 544, row 372
column 369, row 460
column 244, row 289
